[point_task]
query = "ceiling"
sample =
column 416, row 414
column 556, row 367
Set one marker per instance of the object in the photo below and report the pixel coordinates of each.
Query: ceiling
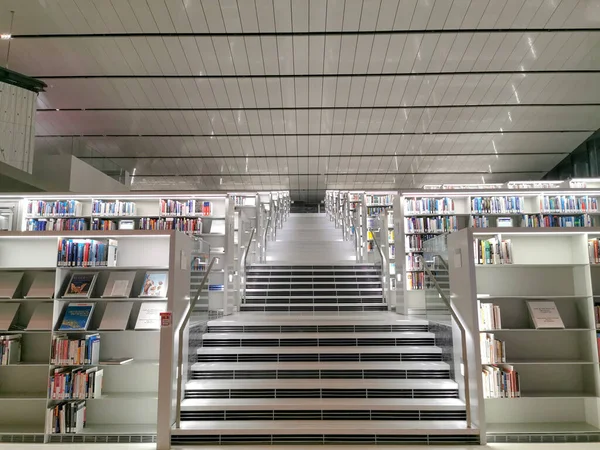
column 309, row 95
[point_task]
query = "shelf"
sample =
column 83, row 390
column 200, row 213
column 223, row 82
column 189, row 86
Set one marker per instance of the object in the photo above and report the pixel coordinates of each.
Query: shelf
column 135, row 362
column 128, row 429
column 542, row 427
column 472, row 213
column 56, row 216
column 564, row 213
column 519, row 330
column 113, row 396
column 103, row 331
column 112, row 299
column 26, row 364
column 22, row 429
column 135, row 216
column 428, row 232
column 525, row 266
column 529, row 297
column 424, row 214
column 20, row 396
column 114, row 268
column 544, row 363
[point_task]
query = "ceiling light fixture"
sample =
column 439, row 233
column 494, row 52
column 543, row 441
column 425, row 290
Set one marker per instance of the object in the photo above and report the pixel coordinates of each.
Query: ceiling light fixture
column 5, row 37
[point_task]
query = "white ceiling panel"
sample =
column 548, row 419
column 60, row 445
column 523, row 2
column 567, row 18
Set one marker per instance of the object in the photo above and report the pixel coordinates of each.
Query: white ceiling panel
column 311, row 94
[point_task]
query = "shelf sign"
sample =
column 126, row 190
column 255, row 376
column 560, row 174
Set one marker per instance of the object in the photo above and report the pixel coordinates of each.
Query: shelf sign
column 533, row 184
column 166, row 319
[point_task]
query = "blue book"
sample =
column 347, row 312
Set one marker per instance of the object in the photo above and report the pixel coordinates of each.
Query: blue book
column 77, row 316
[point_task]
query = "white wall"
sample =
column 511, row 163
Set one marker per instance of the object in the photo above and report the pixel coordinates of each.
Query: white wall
column 85, row 178
column 17, row 126
column 66, row 173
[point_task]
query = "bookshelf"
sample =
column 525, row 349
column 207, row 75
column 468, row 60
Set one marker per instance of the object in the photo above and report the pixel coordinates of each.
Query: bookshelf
column 128, row 402
column 558, row 368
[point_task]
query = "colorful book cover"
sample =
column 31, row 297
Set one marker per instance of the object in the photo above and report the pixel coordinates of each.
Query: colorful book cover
column 77, row 316
column 81, row 285
column 155, row 284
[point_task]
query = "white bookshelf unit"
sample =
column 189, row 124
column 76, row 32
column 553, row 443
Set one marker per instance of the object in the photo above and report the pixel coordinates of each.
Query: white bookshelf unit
column 558, row 368
column 128, row 404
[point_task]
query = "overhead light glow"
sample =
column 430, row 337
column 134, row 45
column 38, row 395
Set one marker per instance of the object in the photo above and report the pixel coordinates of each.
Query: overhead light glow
column 5, row 37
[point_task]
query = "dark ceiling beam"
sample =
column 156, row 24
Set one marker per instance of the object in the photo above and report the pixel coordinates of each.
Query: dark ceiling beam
column 310, row 33
column 326, row 75
column 332, row 174
column 334, row 108
column 432, row 133
column 344, row 155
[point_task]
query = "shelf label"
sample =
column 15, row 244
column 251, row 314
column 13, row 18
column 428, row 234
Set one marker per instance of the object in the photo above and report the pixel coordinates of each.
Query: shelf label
column 166, row 319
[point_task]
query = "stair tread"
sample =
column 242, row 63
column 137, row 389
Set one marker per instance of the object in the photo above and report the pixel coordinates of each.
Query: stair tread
column 310, row 365
column 328, row 349
column 291, row 289
column 329, row 427
column 262, row 305
column 430, row 404
column 321, row 335
column 324, row 319
column 318, row 383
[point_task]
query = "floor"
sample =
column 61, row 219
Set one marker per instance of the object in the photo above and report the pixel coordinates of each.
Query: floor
column 306, row 238
column 567, row 446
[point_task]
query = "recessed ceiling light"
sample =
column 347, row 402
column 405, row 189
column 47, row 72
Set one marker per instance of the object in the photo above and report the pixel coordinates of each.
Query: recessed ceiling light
column 5, row 36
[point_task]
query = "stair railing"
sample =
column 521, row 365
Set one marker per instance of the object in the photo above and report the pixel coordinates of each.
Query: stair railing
column 383, row 271
column 463, row 334
column 263, row 249
column 181, row 330
column 243, row 263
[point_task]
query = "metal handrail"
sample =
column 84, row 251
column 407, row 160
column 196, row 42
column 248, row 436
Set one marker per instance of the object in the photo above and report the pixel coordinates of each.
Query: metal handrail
column 383, row 265
column 182, row 327
column 243, row 260
column 463, row 335
column 264, row 249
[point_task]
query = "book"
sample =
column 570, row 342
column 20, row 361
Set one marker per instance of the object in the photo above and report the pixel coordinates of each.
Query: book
column 501, row 381
column 489, row 317
column 75, row 384
column 87, row 253
column 492, row 251
column 544, row 314
column 67, row 417
column 77, row 316
column 9, row 282
column 81, row 285
column 119, row 285
column 155, row 284
column 10, row 349
column 149, row 315
column 115, row 361
column 41, row 318
column 81, row 351
column 8, row 312
column 42, row 286
column 116, row 316
column 493, row 351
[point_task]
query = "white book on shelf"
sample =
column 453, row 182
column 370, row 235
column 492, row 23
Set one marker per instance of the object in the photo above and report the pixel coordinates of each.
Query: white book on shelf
column 9, row 282
column 149, row 315
column 42, row 286
column 8, row 312
column 41, row 319
column 116, row 316
column 119, row 285
column 544, row 314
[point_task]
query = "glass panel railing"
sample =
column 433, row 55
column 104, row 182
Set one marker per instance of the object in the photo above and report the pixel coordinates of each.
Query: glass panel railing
column 444, row 321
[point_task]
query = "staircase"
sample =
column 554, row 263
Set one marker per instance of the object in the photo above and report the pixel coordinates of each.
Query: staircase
column 315, row 357
column 314, row 288
column 348, row 376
